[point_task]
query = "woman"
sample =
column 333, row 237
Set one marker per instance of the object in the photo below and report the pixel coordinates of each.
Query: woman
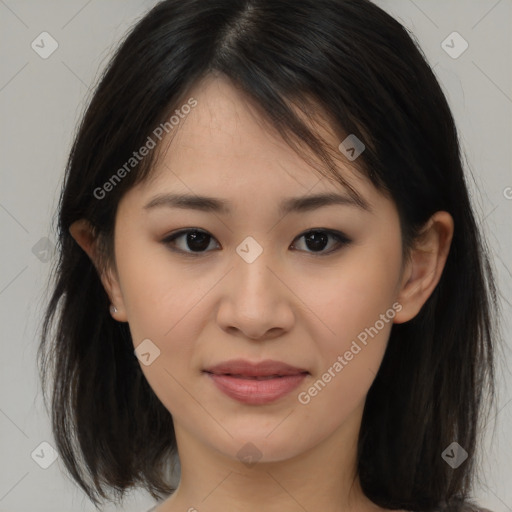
column 270, row 269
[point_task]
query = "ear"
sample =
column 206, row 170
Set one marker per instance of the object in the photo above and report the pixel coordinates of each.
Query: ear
column 425, row 266
column 83, row 233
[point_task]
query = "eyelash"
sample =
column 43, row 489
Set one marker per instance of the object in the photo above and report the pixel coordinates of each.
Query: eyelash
column 340, row 237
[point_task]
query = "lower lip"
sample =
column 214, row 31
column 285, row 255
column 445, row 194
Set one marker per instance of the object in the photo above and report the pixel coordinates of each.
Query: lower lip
column 256, row 392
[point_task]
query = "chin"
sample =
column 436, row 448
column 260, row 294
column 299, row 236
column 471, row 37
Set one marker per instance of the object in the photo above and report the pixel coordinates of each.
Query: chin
column 251, row 446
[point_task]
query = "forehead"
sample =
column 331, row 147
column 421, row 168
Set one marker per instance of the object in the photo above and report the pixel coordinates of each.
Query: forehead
column 224, row 142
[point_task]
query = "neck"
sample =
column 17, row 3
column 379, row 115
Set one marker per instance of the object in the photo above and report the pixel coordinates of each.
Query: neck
column 322, row 478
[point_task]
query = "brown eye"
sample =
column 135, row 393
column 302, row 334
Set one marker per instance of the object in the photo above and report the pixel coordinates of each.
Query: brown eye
column 197, row 241
column 316, row 240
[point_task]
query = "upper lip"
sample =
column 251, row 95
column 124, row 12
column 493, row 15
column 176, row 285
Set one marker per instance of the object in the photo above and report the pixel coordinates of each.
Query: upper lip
column 252, row 369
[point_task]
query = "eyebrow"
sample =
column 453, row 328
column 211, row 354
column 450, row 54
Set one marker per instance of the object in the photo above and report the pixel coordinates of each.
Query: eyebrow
column 293, row 204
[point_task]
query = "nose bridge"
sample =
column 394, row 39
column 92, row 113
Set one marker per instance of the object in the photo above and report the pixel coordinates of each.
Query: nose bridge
column 256, row 301
column 253, row 269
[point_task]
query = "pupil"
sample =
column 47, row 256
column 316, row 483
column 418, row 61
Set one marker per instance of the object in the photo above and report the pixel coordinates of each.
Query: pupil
column 194, row 237
column 314, row 238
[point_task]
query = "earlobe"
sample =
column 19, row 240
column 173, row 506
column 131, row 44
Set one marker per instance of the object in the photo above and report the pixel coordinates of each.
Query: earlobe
column 83, row 233
column 425, row 267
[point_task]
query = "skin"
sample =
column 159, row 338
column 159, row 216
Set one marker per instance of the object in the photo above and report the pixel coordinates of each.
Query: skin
column 291, row 304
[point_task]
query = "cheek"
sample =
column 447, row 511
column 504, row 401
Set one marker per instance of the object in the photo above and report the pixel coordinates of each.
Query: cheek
column 352, row 297
column 165, row 302
column 356, row 316
column 347, row 361
column 164, row 306
column 156, row 292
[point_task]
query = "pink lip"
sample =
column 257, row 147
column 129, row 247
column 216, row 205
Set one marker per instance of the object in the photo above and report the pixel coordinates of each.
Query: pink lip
column 256, row 383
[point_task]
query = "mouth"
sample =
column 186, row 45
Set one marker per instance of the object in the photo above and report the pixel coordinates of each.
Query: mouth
column 268, row 369
column 255, row 383
column 250, row 377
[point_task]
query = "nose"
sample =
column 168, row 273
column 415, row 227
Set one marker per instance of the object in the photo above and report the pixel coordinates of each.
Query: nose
column 257, row 302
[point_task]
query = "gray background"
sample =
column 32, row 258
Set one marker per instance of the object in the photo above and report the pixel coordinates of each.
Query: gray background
column 41, row 101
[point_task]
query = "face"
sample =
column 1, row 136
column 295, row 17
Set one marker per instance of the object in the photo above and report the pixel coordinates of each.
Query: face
column 206, row 286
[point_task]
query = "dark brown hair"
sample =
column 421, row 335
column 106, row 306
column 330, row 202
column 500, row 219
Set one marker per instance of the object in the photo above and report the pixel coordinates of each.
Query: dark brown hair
column 362, row 68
